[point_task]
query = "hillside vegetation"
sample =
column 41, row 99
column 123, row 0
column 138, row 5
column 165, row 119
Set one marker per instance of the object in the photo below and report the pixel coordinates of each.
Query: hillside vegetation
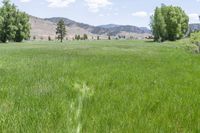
column 99, row 87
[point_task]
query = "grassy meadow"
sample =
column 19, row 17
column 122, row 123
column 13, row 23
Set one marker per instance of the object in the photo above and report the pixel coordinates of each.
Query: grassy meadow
column 99, row 87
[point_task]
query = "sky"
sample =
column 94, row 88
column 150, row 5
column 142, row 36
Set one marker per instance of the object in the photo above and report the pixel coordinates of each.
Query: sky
column 100, row 12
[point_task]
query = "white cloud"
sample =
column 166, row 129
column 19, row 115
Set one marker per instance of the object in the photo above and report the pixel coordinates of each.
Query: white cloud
column 25, row 1
column 141, row 14
column 95, row 5
column 194, row 17
column 59, row 3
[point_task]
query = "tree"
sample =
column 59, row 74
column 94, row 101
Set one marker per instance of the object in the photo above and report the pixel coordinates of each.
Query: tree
column 8, row 28
column 78, row 37
column 1, row 22
column 158, row 25
column 98, row 38
column 169, row 23
column 109, row 38
column 75, row 37
column 49, row 38
column 61, row 30
column 85, row 37
column 34, row 37
column 23, row 27
column 14, row 24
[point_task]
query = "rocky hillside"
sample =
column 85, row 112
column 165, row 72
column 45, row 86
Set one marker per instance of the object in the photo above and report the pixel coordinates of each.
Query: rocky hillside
column 112, row 30
column 43, row 28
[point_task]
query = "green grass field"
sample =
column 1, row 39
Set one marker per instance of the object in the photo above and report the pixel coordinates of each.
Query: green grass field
column 99, row 87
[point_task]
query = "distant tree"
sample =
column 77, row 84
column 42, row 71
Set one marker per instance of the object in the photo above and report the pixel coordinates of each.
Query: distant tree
column 98, row 38
column 61, row 30
column 75, row 37
column 109, row 38
column 49, row 38
column 169, row 23
column 85, row 37
column 78, row 37
column 34, row 37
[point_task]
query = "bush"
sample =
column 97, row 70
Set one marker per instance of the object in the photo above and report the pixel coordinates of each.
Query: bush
column 195, row 39
column 192, row 48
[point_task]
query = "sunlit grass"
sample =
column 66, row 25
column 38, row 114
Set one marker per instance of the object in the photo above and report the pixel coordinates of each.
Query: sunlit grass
column 99, row 86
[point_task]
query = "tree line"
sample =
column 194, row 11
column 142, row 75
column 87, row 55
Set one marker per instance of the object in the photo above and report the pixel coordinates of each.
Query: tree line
column 14, row 24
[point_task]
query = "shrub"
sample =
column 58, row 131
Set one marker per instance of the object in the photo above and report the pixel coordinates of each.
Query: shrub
column 195, row 39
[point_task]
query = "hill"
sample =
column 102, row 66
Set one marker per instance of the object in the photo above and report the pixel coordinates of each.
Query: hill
column 109, row 29
column 42, row 28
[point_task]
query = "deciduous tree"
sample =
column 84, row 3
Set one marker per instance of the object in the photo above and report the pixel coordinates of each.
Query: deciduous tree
column 14, row 25
column 169, row 23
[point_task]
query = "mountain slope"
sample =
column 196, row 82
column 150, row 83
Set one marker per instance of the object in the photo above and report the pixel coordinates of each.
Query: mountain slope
column 43, row 28
column 111, row 29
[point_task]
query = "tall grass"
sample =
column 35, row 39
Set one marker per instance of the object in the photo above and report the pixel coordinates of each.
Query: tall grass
column 99, row 86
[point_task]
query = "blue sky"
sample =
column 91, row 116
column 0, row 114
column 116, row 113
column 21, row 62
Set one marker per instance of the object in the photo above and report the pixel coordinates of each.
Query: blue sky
column 98, row 12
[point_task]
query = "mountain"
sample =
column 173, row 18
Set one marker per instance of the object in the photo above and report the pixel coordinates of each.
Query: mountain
column 194, row 27
column 109, row 26
column 43, row 28
column 110, row 29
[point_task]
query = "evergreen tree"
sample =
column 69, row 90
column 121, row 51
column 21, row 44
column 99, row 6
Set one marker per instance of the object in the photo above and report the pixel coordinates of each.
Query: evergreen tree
column 78, row 37
column 61, row 30
column 34, row 37
column 75, row 37
column 109, row 38
column 85, row 37
column 49, row 38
